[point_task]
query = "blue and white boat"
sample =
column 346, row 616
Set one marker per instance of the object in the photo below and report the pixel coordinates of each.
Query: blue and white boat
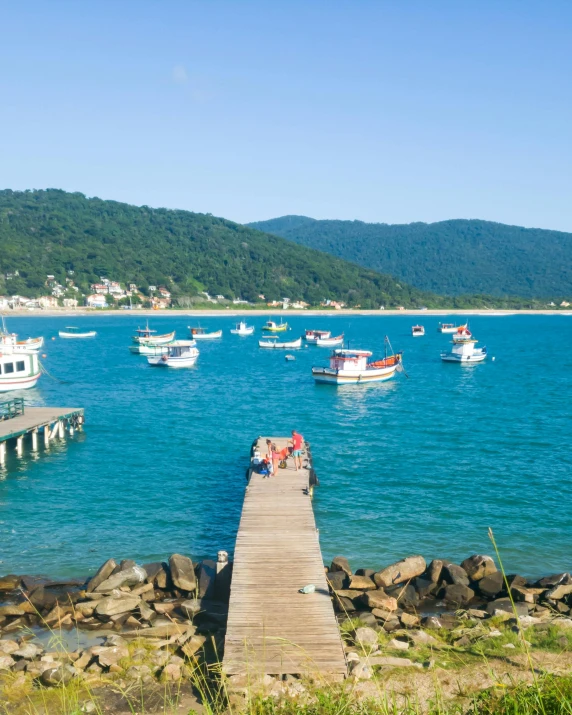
column 181, row 353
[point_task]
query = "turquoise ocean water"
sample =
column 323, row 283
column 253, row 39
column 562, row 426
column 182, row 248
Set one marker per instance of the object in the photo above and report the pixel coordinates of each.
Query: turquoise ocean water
column 419, row 465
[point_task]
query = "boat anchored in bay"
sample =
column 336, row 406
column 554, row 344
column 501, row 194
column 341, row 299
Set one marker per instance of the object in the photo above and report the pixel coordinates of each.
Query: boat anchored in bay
column 243, row 329
column 73, row 332
column 180, row 353
column 417, row 331
column 352, row 367
column 19, row 370
column 464, row 350
column 201, row 334
column 145, row 336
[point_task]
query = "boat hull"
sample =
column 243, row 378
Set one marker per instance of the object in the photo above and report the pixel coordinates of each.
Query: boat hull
column 18, row 383
column 206, row 336
column 352, row 377
column 330, row 342
column 154, row 339
column 90, row 334
column 149, row 349
column 271, row 345
column 174, row 362
column 243, row 333
column 464, row 359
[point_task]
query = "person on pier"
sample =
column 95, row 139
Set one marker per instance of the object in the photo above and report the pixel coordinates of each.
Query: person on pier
column 297, row 441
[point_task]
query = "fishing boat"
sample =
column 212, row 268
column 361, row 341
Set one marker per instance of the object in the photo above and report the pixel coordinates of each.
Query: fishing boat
column 181, row 353
column 31, row 345
column 18, row 370
column 312, row 336
column 330, row 342
column 462, row 333
column 464, row 351
column 149, row 349
column 201, row 334
column 243, row 329
column 417, row 331
column 275, row 345
column 72, row 332
column 447, row 328
column 146, row 336
column 352, row 367
column 273, row 327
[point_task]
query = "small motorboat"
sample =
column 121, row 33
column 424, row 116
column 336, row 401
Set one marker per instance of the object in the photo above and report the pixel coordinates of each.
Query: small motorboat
column 275, row 345
column 352, row 367
column 289, row 358
column 145, row 336
column 464, row 350
column 312, row 336
column 447, row 328
column 201, row 334
column 149, row 349
column 73, row 332
column 243, row 329
column 330, row 342
column 273, row 327
column 417, row 331
column 181, row 353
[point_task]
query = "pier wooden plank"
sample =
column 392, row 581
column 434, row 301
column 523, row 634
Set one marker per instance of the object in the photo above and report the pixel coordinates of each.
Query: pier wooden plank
column 33, row 418
column 273, row 628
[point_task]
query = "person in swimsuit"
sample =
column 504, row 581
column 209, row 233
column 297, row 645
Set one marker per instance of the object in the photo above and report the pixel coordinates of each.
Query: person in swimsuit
column 275, row 453
column 297, row 442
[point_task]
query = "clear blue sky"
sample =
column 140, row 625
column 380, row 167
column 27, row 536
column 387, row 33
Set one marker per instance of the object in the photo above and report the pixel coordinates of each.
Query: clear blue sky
column 381, row 111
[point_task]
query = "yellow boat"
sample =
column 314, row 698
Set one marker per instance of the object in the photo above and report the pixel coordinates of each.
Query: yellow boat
column 273, row 327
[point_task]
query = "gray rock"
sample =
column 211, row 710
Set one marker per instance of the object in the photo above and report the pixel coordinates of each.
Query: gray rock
column 102, row 575
column 157, row 574
column 555, row 580
column 340, row 563
column 422, row 638
column 13, row 610
column 343, row 605
column 401, row 571
column 182, row 572
column 379, row 599
column 405, row 595
column 27, row 651
column 361, row 670
column 424, row 586
column 60, row 675
column 206, row 576
column 338, row 580
column 368, row 619
column 458, row 594
column 434, row 570
column 165, row 630
column 490, row 586
column 504, row 604
column 478, row 566
column 365, row 572
column 7, row 647
column 6, row 662
column 390, row 661
column 10, row 582
column 456, row 575
column 397, row 644
column 366, row 638
column 362, row 583
column 138, row 672
column 112, row 655
column 126, row 577
column 558, row 592
column 431, row 622
column 114, row 606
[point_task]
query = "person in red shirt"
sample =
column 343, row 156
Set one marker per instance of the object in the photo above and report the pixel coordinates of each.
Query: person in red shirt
column 297, row 442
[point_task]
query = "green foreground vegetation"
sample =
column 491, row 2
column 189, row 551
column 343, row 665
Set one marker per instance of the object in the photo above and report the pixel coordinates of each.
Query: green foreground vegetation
column 69, row 236
column 449, row 257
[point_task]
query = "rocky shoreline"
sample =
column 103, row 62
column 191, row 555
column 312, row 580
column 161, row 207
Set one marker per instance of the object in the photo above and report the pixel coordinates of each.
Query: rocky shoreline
column 178, row 610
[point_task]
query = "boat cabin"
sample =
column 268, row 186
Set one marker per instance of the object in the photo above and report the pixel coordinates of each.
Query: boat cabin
column 349, row 359
column 315, row 334
column 178, row 348
column 145, row 332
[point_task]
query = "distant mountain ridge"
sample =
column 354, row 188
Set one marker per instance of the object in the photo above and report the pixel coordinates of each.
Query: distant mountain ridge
column 53, row 232
column 454, row 257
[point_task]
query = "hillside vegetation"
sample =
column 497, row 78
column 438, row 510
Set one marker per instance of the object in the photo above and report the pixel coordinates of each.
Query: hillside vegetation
column 52, row 232
column 450, row 257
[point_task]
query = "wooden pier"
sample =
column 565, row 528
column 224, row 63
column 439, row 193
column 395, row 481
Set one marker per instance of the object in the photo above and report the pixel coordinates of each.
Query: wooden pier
column 17, row 422
column 272, row 627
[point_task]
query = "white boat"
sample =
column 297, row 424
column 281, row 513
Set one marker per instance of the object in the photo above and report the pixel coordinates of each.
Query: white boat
column 273, row 327
column 243, row 329
column 312, row 336
column 330, row 342
column 145, row 336
column 71, row 332
column 149, row 349
column 18, row 370
column 181, row 353
column 352, row 367
column 275, row 345
column 417, row 331
column 201, row 334
column 464, row 349
column 447, row 328
column 289, row 358
column 462, row 333
column 31, row 345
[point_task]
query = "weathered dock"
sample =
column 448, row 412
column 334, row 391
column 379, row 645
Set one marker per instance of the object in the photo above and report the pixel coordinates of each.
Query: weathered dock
column 18, row 421
column 272, row 627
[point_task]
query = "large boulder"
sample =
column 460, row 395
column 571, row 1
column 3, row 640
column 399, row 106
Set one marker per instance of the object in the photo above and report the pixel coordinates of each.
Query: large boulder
column 505, row 605
column 491, row 585
column 366, row 638
column 424, row 586
column 558, row 592
column 362, row 583
column 458, row 594
column 401, row 571
column 115, row 605
column 10, row 582
column 206, row 578
column 157, row 573
column 338, row 580
column 555, row 580
column 59, row 675
column 455, row 574
column 182, row 572
column 405, row 595
column 6, row 662
column 434, row 569
column 478, row 566
column 103, row 573
column 340, row 563
column 131, row 576
column 379, row 599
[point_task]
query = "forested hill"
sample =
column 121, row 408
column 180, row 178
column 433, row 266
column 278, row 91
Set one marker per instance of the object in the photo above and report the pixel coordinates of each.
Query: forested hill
column 450, row 257
column 54, row 232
